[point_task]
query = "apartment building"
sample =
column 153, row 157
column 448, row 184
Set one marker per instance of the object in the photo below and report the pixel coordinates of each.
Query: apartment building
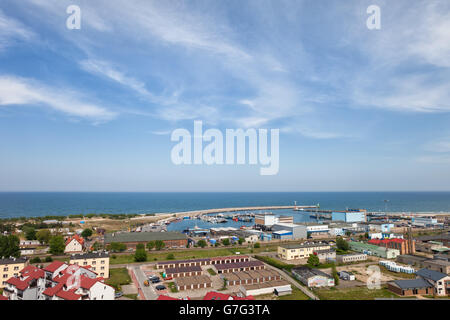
column 98, row 262
column 300, row 251
column 9, row 268
column 57, row 281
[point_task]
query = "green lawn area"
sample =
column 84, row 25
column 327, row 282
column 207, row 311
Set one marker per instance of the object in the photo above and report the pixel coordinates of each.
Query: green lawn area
column 211, row 272
column 297, row 294
column 190, row 254
column 172, row 287
column 118, row 277
column 275, row 263
column 131, row 296
column 356, row 293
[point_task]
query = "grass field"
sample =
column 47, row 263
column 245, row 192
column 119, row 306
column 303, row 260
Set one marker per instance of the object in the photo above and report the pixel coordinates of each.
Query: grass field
column 297, row 294
column 118, row 277
column 190, row 254
column 276, row 263
column 131, row 296
column 356, row 293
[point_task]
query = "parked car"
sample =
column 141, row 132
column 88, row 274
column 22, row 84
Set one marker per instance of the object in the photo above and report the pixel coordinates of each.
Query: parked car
column 146, row 283
column 155, row 280
column 160, row 287
column 118, row 294
column 168, row 278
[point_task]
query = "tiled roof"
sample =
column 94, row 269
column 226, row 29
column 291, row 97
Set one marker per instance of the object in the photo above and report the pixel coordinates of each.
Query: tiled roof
column 19, row 284
column 217, row 296
column 413, row 284
column 2, row 297
column 431, row 274
column 68, row 295
column 77, row 238
column 163, row 297
column 52, row 267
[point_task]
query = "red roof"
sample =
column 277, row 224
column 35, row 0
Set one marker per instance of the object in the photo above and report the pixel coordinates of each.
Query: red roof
column 3, row 297
column 87, row 283
column 243, row 298
column 75, row 237
column 52, row 291
column 163, row 297
column 216, row 296
column 19, row 284
column 68, row 295
column 52, row 267
column 385, row 241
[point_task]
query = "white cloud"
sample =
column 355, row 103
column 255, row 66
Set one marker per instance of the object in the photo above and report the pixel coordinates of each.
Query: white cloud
column 12, row 30
column 20, row 91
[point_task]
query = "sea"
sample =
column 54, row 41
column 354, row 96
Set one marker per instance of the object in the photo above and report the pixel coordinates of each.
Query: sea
column 33, row 204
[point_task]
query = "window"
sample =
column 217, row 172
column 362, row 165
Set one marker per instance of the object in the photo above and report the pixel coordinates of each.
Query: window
column 5, row 276
column 85, row 263
column 103, row 268
column 94, row 262
column 16, row 268
column 5, row 269
column 102, row 262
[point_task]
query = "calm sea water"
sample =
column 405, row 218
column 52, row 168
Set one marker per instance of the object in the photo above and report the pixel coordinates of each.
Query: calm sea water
column 18, row 204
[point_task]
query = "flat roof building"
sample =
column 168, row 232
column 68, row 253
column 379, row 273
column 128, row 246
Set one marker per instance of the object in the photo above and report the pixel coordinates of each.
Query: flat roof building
column 131, row 239
column 193, row 283
column 300, row 251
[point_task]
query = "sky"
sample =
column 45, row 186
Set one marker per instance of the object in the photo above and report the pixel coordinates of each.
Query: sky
column 93, row 109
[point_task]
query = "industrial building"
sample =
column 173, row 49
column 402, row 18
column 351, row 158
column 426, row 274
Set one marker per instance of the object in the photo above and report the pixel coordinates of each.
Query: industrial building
column 424, row 222
column 351, row 257
column 373, row 250
column 131, row 239
column 278, row 287
column 289, row 231
column 412, row 260
column 437, row 265
column 316, row 230
column 326, row 255
column 403, row 245
column 356, row 215
column 266, row 220
column 300, row 251
column 313, row 278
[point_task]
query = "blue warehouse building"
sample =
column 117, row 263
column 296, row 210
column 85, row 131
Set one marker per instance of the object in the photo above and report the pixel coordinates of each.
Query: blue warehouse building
column 349, row 216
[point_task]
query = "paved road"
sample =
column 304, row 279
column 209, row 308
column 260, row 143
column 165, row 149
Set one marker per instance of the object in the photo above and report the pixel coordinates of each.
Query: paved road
column 148, row 292
column 288, row 277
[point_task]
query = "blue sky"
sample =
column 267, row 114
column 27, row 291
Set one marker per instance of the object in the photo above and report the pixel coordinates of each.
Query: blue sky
column 93, row 109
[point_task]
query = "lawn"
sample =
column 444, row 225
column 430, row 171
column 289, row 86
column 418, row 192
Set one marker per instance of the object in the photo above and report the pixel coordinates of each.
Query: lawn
column 211, row 272
column 356, row 293
column 190, row 254
column 275, row 263
column 297, row 294
column 172, row 287
column 131, row 296
column 118, row 277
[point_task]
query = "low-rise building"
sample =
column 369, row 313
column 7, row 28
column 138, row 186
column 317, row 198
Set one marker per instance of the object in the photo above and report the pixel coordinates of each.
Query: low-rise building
column 239, row 266
column 346, row 275
column 411, row 287
column 10, row 267
column 289, row 231
column 355, row 215
column 278, row 287
column 251, row 277
column 301, row 251
column 439, row 280
column 183, row 272
column 57, row 281
column 351, row 257
column 313, row 278
column 99, row 262
column 74, row 244
column 131, row 239
column 412, row 260
column 193, row 283
column 403, row 245
column 326, row 255
column 373, row 250
column 437, row 265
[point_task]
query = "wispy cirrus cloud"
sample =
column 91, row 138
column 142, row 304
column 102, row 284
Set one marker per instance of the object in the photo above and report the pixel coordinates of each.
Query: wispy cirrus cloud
column 20, row 91
column 12, row 30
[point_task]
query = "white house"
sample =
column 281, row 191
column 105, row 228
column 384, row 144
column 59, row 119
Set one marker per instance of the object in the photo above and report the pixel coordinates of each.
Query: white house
column 74, row 244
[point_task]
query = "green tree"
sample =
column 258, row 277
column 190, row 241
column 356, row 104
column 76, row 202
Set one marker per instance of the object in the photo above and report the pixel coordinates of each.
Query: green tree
column 35, row 260
column 241, row 240
column 140, row 255
column 201, row 243
column 117, row 247
column 257, row 245
column 57, row 245
column 335, row 274
column 313, row 260
column 48, row 259
column 341, row 244
column 159, row 244
column 170, row 256
column 226, row 242
column 9, row 246
column 86, row 233
column 43, row 236
column 151, row 245
column 140, row 246
column 96, row 246
column 30, row 233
